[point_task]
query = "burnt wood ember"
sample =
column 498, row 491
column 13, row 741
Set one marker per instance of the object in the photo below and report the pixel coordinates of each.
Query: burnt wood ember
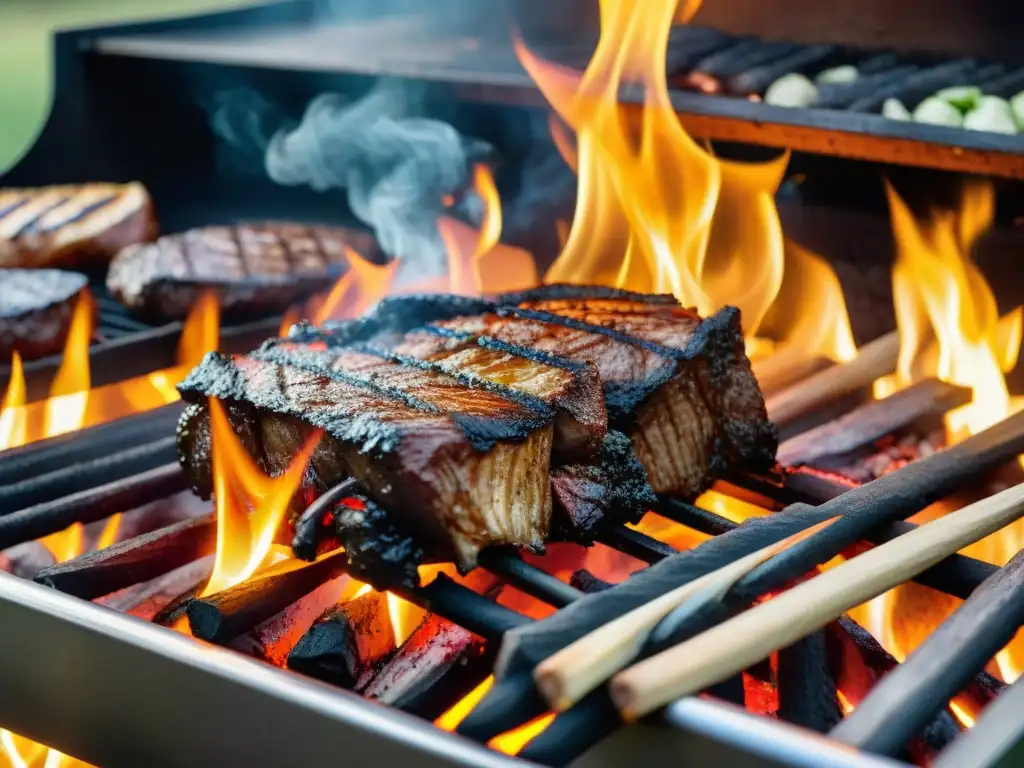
column 872, row 421
column 92, row 504
column 859, row 662
column 225, row 615
column 378, row 550
column 272, row 640
column 146, row 601
column 460, row 469
column 348, row 643
column 911, row 694
column 612, row 489
column 258, row 268
column 437, row 665
column 894, row 496
column 72, row 225
column 807, row 690
column 314, row 526
column 26, row 560
column 133, row 561
column 36, row 308
column 44, row 456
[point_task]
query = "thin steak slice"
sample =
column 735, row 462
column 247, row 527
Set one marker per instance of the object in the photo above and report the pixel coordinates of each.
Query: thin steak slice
column 36, row 307
column 72, row 225
column 710, row 351
column 458, row 468
column 253, row 268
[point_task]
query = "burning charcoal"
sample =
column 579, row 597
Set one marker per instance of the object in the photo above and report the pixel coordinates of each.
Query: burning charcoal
column 585, row 581
column 436, row 666
column 379, row 551
column 807, row 692
column 146, row 601
column 273, row 639
column 26, row 560
column 348, row 643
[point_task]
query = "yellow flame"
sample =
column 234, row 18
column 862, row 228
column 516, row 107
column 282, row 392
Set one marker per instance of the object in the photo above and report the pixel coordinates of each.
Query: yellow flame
column 244, row 537
column 655, row 211
column 357, row 290
column 949, row 329
column 490, row 229
column 13, row 424
column 201, row 333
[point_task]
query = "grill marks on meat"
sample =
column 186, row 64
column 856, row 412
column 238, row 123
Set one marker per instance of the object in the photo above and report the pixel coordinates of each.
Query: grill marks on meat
column 72, row 225
column 253, row 268
column 572, row 389
column 454, row 482
column 36, row 308
column 710, row 352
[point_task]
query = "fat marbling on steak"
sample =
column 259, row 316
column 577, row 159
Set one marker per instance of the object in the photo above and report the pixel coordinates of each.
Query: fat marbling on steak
column 36, row 308
column 72, row 225
column 253, row 268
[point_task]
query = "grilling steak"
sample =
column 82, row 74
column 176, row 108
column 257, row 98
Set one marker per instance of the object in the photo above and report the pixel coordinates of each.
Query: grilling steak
column 459, row 468
column 72, row 225
column 36, row 307
column 253, row 268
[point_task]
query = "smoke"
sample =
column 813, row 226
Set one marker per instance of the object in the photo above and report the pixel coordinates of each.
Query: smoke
column 244, row 122
column 396, row 164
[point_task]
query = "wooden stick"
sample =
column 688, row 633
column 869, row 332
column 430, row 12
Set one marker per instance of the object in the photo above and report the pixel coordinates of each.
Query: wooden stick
column 908, row 696
column 736, row 644
column 786, row 367
column 569, row 675
column 872, row 421
column 873, row 361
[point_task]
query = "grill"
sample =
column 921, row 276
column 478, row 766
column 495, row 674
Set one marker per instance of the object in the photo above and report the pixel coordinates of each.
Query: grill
column 91, row 665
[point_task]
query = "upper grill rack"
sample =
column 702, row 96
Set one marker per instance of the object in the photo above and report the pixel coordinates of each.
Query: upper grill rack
column 845, row 123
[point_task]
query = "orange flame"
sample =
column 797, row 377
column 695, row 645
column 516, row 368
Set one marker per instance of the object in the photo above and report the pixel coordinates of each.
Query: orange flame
column 244, row 537
column 201, row 333
column 511, row 742
column 12, row 412
column 357, row 290
column 949, row 329
column 657, row 212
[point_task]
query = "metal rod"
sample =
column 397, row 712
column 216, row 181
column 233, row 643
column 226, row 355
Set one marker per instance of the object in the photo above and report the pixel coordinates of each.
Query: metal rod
column 91, row 505
column 635, row 544
column 510, row 567
column 997, row 738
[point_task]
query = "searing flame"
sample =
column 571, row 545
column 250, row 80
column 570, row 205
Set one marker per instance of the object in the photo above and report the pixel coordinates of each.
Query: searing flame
column 657, row 212
column 249, row 505
column 490, row 229
column 949, row 329
column 201, row 333
column 72, row 404
column 358, row 289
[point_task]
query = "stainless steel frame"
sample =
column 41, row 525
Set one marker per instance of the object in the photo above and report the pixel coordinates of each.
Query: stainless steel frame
column 116, row 691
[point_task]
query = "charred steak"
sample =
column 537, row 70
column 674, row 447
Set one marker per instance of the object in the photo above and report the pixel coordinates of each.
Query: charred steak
column 36, row 307
column 253, row 268
column 459, row 468
column 72, row 225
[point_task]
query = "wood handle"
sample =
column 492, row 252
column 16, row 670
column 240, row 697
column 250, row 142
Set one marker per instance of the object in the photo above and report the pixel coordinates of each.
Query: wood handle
column 734, row 645
column 874, row 360
column 576, row 670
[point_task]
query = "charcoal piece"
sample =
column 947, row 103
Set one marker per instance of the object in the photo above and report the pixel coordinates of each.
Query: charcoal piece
column 688, row 44
column 586, row 582
column 347, row 644
column 259, row 268
column 768, row 52
column 807, row 692
column 36, row 308
column 1005, row 85
column 72, row 225
column 379, row 552
column 154, row 598
column 436, row 666
column 612, row 490
column 842, row 95
column 26, row 560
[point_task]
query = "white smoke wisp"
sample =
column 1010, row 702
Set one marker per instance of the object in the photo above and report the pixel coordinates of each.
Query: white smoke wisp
column 396, row 165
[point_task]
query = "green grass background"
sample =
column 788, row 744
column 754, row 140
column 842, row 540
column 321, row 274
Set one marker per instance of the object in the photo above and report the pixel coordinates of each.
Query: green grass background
column 26, row 77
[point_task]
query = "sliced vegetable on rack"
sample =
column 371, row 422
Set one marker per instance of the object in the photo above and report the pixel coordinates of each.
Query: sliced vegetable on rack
column 992, row 114
column 936, row 111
